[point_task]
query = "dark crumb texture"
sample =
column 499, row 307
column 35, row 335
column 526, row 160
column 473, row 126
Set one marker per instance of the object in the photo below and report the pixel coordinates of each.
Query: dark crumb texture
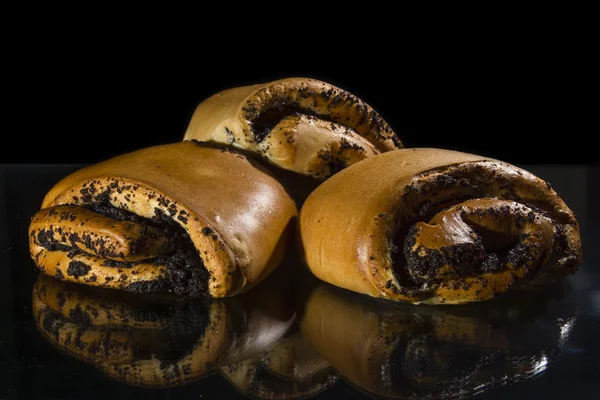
column 328, row 104
column 77, row 269
column 489, row 252
column 147, row 286
column 187, row 273
column 269, row 118
column 469, row 256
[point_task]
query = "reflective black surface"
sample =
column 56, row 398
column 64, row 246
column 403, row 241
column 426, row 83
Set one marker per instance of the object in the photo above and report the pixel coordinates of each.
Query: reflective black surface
column 292, row 337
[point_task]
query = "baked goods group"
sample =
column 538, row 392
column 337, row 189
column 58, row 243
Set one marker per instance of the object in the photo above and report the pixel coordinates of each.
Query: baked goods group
column 209, row 215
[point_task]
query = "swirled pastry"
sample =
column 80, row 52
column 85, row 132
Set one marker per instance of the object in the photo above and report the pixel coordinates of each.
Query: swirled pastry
column 188, row 217
column 437, row 226
column 303, row 125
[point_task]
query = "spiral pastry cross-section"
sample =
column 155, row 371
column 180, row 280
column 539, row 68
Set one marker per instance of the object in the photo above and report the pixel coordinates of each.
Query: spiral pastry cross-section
column 303, row 125
column 189, row 218
column 439, row 227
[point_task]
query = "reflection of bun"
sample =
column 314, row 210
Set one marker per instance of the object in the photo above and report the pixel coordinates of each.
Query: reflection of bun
column 303, row 125
column 437, row 226
column 157, row 340
column 175, row 345
column 186, row 217
column 290, row 370
column 355, row 340
column 294, row 358
column 405, row 351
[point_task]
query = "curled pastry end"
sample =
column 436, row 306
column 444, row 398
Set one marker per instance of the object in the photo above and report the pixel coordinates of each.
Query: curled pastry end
column 437, row 227
column 107, row 239
column 477, row 249
column 303, row 125
column 165, row 218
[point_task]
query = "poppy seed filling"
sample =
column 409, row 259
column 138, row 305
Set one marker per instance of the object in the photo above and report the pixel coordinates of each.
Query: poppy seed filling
column 187, row 273
column 498, row 230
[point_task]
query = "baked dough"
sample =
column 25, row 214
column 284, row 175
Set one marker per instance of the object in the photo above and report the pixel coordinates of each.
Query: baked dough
column 438, row 227
column 299, row 124
column 405, row 351
column 188, row 217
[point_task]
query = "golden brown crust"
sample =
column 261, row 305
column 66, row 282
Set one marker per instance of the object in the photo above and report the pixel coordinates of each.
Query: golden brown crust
column 235, row 213
column 299, row 124
column 352, row 225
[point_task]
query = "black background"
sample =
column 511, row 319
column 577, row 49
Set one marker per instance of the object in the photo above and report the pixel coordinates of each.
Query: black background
column 82, row 106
